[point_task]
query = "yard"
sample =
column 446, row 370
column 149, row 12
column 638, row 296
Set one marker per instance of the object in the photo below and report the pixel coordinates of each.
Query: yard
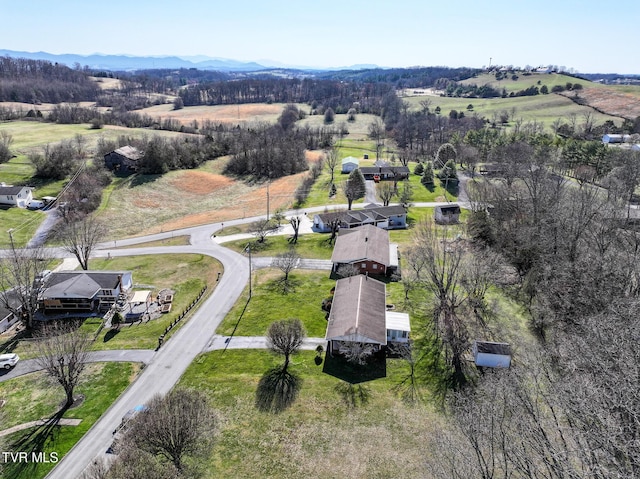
column 332, row 429
column 268, row 303
column 32, row 397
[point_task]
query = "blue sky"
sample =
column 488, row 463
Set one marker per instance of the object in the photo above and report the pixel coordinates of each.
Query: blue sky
column 586, row 35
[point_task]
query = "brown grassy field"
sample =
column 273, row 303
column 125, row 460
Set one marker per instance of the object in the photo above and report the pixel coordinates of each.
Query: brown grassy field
column 610, row 101
column 179, row 199
column 247, row 113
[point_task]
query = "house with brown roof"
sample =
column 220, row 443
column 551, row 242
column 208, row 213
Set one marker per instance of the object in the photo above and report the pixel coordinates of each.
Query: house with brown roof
column 386, row 217
column 126, row 158
column 368, row 249
column 358, row 314
column 19, row 196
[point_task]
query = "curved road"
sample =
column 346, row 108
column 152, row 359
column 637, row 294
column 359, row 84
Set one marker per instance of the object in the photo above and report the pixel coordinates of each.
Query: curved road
column 197, row 335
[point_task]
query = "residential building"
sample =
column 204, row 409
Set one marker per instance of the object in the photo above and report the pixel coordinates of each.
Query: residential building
column 447, row 214
column 368, row 249
column 386, row 217
column 83, row 291
column 19, row 196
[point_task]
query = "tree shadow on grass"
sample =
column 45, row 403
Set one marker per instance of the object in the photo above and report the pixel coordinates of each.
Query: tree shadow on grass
column 277, row 390
column 110, row 335
column 353, row 395
column 34, row 443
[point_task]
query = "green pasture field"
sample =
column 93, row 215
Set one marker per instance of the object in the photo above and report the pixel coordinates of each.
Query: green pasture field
column 358, row 130
column 525, row 81
column 33, row 396
column 268, row 303
column 544, row 109
column 332, row 428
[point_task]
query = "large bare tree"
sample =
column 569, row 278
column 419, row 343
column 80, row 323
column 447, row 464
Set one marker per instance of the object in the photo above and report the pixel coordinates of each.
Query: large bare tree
column 285, row 337
column 386, row 192
column 331, row 161
column 63, row 351
column 175, row 427
column 80, row 238
column 286, row 262
column 20, row 271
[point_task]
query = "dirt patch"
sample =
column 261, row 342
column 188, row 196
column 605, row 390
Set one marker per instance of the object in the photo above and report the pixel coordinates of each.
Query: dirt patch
column 613, row 103
column 253, row 203
column 217, row 113
column 146, row 203
column 200, row 182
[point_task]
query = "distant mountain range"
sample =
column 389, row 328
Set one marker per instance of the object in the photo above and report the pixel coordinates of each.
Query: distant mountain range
column 129, row 63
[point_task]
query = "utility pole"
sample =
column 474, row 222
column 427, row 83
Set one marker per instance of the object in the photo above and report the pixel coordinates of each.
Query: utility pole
column 268, row 181
column 10, row 231
column 248, row 250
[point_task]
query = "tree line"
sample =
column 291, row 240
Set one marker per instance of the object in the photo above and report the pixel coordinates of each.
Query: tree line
column 567, row 251
column 40, row 81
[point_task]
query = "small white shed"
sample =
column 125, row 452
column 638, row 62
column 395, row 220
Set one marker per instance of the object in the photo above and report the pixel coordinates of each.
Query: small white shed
column 489, row 354
column 615, row 138
column 349, row 164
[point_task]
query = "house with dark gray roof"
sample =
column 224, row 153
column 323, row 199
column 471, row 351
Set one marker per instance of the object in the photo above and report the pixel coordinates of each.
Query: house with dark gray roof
column 385, row 173
column 83, row 291
column 386, row 217
column 367, row 248
column 19, row 196
column 447, row 214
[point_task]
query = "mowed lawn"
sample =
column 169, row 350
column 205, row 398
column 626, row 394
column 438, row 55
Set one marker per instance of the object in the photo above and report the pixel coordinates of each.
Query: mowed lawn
column 34, row 396
column 332, row 429
column 186, row 274
column 269, row 303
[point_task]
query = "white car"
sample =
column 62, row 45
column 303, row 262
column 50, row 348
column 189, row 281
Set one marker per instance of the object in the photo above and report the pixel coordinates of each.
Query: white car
column 7, row 361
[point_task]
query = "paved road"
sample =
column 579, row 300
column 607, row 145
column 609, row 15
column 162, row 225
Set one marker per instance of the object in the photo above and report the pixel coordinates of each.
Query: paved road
column 130, row 355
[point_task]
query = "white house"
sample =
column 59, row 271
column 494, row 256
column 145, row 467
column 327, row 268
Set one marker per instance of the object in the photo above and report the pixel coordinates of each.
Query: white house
column 19, row 196
column 491, row 355
column 349, row 164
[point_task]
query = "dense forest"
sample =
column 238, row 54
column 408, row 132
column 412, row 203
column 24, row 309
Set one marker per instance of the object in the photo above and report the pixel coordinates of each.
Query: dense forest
column 39, row 81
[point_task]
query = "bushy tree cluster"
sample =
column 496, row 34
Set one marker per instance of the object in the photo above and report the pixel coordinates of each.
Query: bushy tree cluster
column 267, row 151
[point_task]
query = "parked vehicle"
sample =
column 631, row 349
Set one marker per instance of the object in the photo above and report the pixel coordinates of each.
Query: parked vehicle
column 7, row 361
column 35, row 205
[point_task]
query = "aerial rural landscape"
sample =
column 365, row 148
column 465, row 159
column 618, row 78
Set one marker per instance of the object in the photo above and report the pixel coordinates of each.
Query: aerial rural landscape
column 269, row 269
